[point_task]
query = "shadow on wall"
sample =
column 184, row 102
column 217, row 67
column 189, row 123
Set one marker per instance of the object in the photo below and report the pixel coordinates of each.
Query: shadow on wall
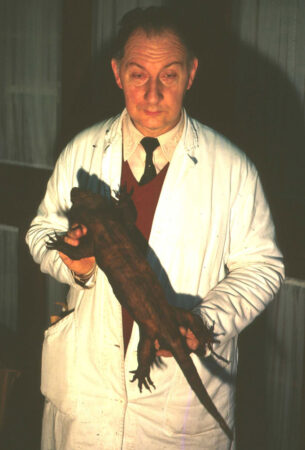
column 251, row 100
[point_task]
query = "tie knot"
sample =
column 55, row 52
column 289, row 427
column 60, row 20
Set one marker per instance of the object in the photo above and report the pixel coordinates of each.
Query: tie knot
column 150, row 144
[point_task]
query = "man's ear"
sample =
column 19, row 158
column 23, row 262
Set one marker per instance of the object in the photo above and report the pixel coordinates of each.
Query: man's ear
column 116, row 72
column 192, row 72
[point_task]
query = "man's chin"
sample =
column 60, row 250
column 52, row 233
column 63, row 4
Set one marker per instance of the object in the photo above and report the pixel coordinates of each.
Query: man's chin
column 152, row 126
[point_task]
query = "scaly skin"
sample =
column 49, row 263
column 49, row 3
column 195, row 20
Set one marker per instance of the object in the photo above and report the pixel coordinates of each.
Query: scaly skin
column 113, row 239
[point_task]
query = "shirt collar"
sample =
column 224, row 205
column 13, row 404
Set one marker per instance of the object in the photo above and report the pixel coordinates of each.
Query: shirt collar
column 168, row 141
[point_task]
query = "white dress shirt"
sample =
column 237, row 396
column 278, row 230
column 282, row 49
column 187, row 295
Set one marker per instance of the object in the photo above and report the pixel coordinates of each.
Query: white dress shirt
column 134, row 153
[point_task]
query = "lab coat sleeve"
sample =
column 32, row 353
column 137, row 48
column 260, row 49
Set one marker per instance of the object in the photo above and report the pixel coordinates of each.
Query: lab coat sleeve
column 254, row 264
column 51, row 217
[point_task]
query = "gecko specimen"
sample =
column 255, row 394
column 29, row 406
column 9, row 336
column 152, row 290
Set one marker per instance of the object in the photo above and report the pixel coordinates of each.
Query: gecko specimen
column 113, row 239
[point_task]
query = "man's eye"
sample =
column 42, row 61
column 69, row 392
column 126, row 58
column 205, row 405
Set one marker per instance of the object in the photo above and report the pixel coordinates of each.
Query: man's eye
column 168, row 77
column 138, row 77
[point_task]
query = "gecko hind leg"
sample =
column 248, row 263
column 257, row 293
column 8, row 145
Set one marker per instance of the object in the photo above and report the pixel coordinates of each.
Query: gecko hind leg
column 146, row 355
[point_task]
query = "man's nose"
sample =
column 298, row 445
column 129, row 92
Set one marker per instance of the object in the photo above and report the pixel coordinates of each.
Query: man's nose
column 153, row 92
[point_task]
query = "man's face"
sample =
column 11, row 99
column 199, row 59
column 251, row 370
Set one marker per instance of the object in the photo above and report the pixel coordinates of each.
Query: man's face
column 154, row 74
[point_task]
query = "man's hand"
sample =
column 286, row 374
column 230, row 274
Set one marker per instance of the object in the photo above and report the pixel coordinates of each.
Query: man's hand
column 191, row 341
column 82, row 266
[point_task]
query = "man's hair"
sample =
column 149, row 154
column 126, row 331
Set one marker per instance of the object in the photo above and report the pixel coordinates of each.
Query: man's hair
column 152, row 20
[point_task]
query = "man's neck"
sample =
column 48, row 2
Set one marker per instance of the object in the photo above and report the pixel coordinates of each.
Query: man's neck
column 134, row 153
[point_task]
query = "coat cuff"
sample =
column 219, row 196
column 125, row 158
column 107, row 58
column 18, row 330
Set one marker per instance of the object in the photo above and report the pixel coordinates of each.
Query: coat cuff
column 86, row 280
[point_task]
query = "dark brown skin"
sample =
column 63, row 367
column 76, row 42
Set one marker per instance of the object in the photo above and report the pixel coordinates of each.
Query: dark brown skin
column 114, row 241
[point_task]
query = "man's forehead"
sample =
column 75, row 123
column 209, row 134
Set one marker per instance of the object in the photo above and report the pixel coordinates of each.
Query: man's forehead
column 140, row 66
column 155, row 45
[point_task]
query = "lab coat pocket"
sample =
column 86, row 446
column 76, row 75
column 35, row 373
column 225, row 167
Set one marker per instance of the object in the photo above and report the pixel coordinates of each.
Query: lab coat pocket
column 184, row 414
column 59, row 364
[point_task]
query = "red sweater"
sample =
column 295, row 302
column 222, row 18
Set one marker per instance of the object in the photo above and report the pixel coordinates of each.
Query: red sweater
column 145, row 199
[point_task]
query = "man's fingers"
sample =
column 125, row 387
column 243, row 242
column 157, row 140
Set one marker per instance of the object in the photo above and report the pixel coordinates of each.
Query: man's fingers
column 71, row 241
column 165, row 353
column 186, row 332
column 191, row 340
column 77, row 231
column 161, row 352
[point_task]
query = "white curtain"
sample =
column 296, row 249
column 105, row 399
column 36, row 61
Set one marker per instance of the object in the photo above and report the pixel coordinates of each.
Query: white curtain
column 267, row 118
column 30, row 32
column 8, row 277
column 269, row 97
column 276, row 29
column 285, row 376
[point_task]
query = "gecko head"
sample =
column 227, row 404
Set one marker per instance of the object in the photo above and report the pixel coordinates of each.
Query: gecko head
column 87, row 199
column 87, row 206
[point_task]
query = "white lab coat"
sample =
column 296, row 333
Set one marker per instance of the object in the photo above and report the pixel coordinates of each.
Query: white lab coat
column 213, row 249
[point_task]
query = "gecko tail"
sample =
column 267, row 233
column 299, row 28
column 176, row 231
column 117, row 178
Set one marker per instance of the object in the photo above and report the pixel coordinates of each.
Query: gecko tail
column 191, row 374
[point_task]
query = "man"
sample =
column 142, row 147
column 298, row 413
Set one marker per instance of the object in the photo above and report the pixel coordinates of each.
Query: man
column 211, row 243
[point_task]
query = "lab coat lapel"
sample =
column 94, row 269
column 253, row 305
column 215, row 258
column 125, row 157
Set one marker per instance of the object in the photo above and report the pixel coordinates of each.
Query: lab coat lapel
column 112, row 157
column 183, row 165
column 184, row 159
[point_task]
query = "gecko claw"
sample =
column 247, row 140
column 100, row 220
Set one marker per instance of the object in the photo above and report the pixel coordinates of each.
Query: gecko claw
column 142, row 380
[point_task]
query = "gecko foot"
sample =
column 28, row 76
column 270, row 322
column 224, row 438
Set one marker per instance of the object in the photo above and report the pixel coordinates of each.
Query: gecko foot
column 142, row 380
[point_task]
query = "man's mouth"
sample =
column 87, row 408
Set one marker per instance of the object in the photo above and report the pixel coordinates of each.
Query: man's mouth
column 152, row 113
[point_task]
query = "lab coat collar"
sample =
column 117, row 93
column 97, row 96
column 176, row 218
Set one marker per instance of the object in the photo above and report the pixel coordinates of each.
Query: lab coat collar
column 189, row 138
column 185, row 155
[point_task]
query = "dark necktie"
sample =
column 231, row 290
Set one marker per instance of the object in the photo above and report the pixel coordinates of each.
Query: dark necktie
column 149, row 144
